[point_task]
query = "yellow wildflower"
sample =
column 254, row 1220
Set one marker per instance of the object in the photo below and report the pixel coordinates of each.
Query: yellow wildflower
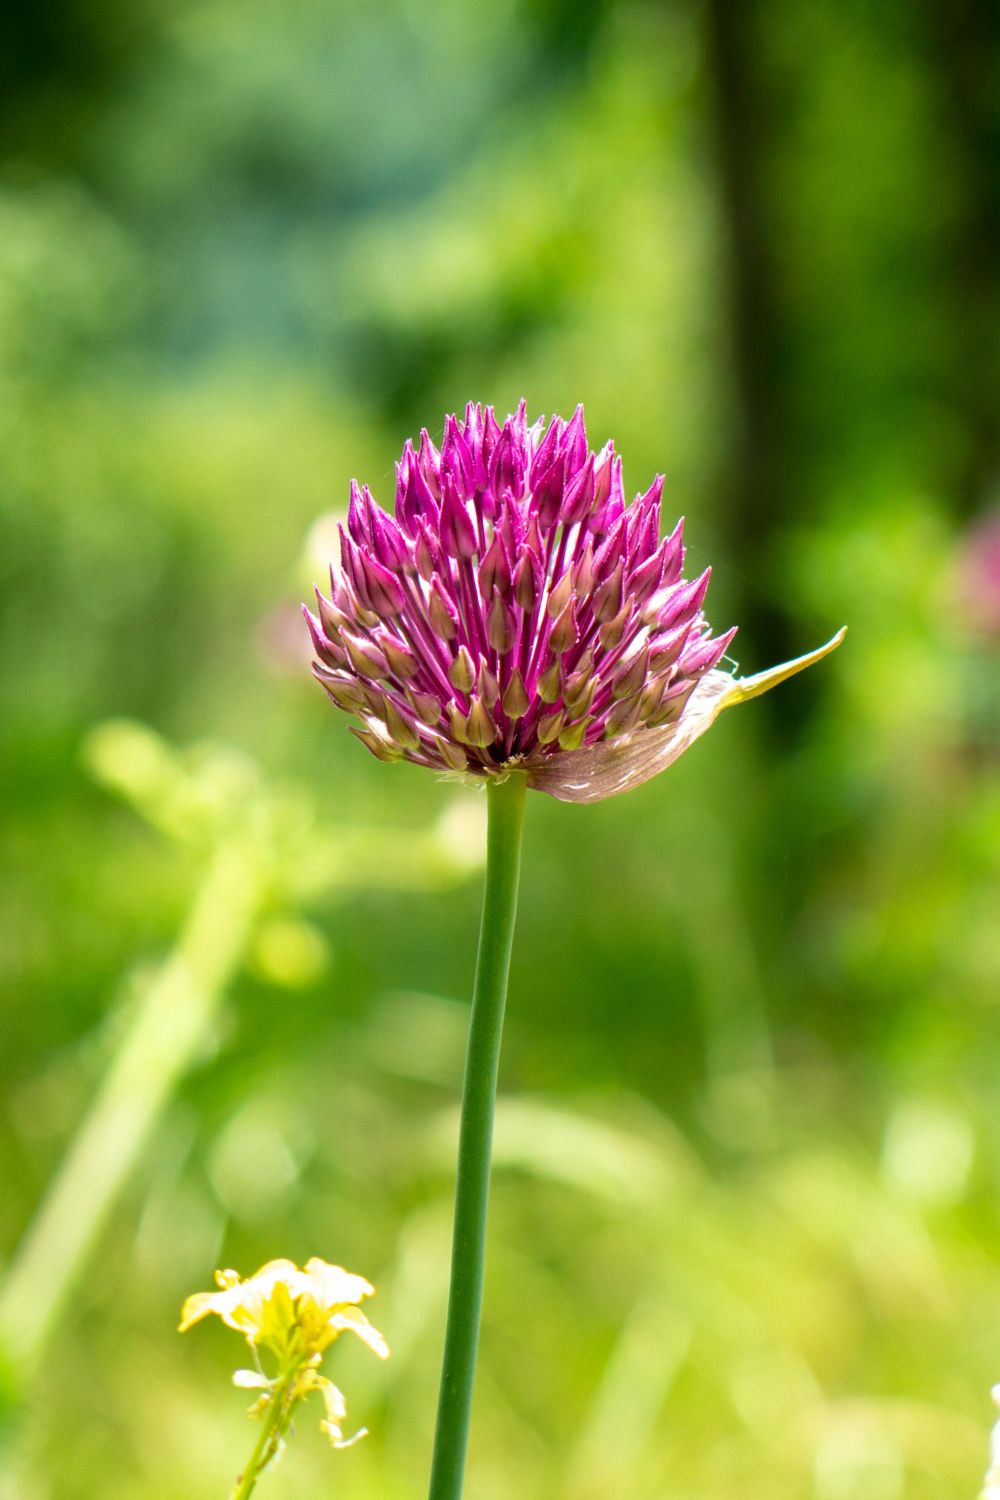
column 295, row 1315
column 292, row 1312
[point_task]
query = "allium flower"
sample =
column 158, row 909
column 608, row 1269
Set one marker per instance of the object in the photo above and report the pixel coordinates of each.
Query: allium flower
column 517, row 614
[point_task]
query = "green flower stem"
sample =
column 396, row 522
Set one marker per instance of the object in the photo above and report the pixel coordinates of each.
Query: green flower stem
column 273, row 1425
column 505, row 803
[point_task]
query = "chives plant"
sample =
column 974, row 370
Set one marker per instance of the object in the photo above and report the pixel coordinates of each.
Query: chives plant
column 515, row 621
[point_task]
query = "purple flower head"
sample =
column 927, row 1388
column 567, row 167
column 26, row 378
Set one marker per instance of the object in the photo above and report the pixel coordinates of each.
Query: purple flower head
column 516, row 614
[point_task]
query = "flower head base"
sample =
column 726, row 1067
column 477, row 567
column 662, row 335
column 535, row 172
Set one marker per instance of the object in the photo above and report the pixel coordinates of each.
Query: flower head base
column 295, row 1315
column 517, row 614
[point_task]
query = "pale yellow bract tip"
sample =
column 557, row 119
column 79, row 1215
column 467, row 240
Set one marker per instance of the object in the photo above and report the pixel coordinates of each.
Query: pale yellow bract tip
column 744, row 688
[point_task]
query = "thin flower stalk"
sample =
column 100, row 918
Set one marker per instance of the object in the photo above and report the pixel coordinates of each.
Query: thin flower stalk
column 505, row 801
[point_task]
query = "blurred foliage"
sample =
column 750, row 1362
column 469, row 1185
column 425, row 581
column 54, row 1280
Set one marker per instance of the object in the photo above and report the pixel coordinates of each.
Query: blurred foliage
column 745, row 1233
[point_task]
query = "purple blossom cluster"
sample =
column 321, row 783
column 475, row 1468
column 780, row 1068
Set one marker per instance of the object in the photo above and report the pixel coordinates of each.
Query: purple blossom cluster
column 516, row 612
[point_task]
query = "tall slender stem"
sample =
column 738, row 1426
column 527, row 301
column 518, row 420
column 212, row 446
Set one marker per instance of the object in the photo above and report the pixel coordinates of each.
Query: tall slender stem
column 505, row 802
column 274, row 1422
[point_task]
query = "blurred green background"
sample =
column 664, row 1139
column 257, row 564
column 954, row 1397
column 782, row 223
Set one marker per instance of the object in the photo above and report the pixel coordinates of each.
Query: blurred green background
column 745, row 1231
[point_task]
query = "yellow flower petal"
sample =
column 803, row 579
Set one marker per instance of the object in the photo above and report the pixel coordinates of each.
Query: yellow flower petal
column 294, row 1312
column 350, row 1317
column 196, row 1307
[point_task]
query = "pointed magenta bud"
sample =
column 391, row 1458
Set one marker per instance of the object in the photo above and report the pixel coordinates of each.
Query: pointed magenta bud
column 328, row 651
column 574, row 445
column 453, row 756
column 421, row 499
column 673, row 555
column 548, row 493
column 429, row 463
column 366, row 659
column 380, row 748
column 684, row 602
column 564, row 634
column 462, row 672
column 343, row 691
column 550, row 684
column 458, row 535
column 487, row 686
column 527, row 579
column 650, row 503
column 583, row 572
column 550, row 727
column 605, row 519
column 665, row 649
column 548, row 453
column 494, row 570
column 578, row 497
column 480, row 727
column 559, row 596
column 630, row 675
column 645, row 580
column 623, row 717
column 402, row 726
column 501, row 627
column 649, row 534
column 473, row 435
column 330, row 617
column 579, row 693
column 403, row 662
column 611, row 633
column 508, row 464
column 389, row 543
column 491, row 436
column 509, row 525
column 571, row 738
column 702, row 656
column 673, row 703
column 603, row 467
column 609, row 551
column 426, row 706
column 427, row 555
column 457, row 463
column 387, row 598
column 358, row 518
column 515, row 702
column 441, row 612
column 353, row 568
column 607, row 600
column 458, row 724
